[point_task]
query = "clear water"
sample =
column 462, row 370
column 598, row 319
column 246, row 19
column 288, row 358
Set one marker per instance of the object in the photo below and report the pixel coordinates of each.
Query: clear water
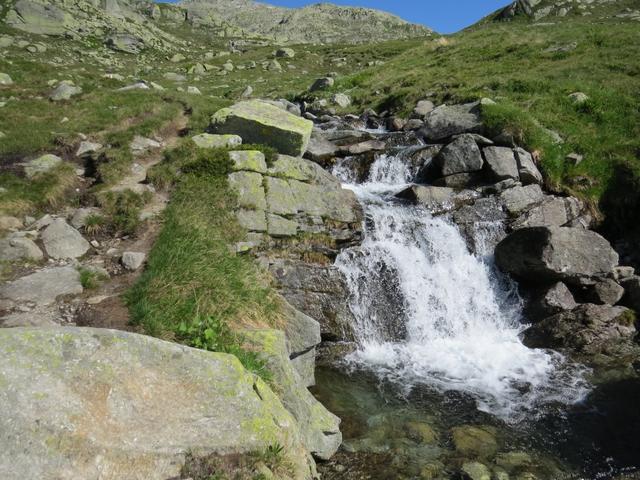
column 430, row 313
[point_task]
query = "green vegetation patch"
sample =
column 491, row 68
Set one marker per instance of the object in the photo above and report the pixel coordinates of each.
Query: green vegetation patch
column 196, row 290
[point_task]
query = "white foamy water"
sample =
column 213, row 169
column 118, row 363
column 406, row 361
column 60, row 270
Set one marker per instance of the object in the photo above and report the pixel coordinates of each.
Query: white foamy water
column 459, row 320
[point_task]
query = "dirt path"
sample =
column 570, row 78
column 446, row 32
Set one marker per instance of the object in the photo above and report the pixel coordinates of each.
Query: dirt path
column 104, row 307
column 101, row 305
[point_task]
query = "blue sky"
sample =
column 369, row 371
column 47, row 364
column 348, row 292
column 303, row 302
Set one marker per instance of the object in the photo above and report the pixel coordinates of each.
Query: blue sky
column 444, row 16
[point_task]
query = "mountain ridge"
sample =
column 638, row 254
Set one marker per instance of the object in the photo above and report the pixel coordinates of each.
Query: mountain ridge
column 318, row 23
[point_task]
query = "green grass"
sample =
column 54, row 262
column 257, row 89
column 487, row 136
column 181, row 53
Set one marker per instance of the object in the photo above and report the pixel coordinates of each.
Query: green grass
column 91, row 279
column 195, row 289
column 45, row 191
column 122, row 209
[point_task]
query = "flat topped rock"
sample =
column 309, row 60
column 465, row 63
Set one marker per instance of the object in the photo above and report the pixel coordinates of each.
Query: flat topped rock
column 547, row 254
column 262, row 123
column 110, row 401
column 43, row 287
column 207, row 140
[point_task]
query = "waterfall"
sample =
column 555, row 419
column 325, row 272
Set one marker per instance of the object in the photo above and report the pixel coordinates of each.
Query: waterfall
column 429, row 312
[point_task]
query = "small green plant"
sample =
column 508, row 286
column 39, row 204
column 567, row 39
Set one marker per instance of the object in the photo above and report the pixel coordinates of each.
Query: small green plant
column 94, row 224
column 274, row 457
column 91, row 279
column 124, row 208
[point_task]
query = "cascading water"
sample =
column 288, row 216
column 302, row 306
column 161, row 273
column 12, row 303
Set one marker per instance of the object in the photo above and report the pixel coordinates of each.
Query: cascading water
column 430, row 312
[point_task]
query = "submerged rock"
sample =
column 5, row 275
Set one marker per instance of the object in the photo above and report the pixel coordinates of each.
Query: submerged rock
column 474, row 441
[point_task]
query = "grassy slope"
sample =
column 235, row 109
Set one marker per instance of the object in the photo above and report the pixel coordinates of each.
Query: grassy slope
column 512, row 64
column 195, row 290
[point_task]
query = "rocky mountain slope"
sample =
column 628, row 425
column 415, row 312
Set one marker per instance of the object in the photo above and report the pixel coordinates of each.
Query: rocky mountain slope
column 147, row 21
column 549, row 9
column 317, row 23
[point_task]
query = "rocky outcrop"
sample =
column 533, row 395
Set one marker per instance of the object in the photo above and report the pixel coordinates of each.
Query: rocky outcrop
column 294, row 196
column 547, row 254
column 319, row 291
column 259, row 122
column 130, row 406
column 319, row 428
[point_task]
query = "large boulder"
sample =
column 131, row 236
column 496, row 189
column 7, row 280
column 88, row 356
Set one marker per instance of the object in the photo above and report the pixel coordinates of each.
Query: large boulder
column 5, row 79
column 292, row 195
column 437, row 200
column 41, row 165
column 18, row 246
column 529, row 173
column 551, row 300
column 64, row 91
column 587, row 329
column 547, row 254
column 262, row 123
column 318, row 291
column 124, row 42
column 320, row 149
column 303, row 335
column 518, row 199
column 460, row 156
column 109, row 404
column 448, row 120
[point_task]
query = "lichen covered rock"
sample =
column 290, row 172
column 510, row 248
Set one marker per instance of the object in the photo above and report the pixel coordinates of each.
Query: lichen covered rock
column 262, row 123
column 108, row 401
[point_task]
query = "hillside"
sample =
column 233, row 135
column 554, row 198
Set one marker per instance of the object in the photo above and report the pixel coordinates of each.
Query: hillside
column 531, row 67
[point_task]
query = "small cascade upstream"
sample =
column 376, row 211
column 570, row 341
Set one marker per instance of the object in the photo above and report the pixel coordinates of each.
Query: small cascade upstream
column 429, row 312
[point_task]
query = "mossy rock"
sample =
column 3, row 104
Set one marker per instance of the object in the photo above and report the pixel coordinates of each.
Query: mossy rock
column 261, row 123
column 475, row 441
column 109, row 401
